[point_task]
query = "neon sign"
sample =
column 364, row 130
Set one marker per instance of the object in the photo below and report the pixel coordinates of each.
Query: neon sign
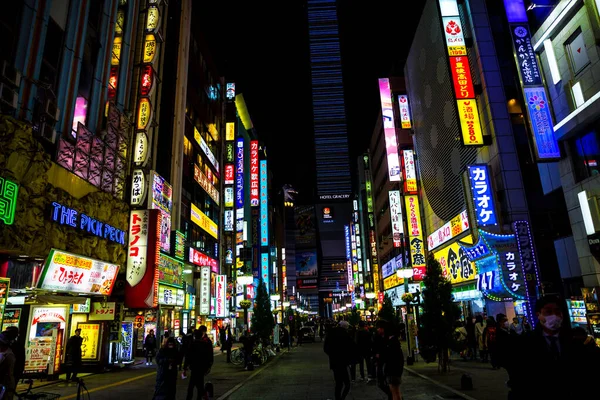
column 483, row 198
column 8, row 200
column 68, row 216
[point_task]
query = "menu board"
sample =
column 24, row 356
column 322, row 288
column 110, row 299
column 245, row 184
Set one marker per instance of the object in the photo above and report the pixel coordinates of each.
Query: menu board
column 90, row 334
column 577, row 311
column 12, row 316
column 37, row 355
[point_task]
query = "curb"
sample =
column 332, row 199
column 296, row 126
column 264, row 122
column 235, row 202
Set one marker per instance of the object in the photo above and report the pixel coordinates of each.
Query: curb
column 461, row 394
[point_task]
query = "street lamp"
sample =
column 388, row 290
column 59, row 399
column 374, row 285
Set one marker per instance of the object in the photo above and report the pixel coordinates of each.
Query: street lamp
column 245, row 279
column 406, row 274
column 370, row 295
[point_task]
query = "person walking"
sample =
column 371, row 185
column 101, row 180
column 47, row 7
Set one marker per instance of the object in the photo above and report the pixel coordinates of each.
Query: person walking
column 247, row 341
column 379, row 349
column 337, row 346
column 150, row 346
column 516, row 328
column 471, row 338
column 229, row 343
column 16, row 345
column 479, row 329
column 363, row 343
column 393, row 361
column 7, row 368
column 167, row 360
column 199, row 359
column 73, row 358
column 489, row 341
column 186, row 342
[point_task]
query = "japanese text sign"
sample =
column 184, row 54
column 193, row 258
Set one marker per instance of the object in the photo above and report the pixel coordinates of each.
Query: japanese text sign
column 527, row 64
column 396, row 217
column 470, row 125
column 102, row 311
column 264, row 205
column 456, row 266
column 410, row 172
column 404, row 111
column 417, row 248
column 204, row 290
column 239, row 174
column 461, row 77
column 138, row 246
column 254, row 190
column 483, row 194
column 391, row 145
column 546, row 146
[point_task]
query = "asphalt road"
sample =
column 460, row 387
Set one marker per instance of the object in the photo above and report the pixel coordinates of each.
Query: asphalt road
column 302, row 373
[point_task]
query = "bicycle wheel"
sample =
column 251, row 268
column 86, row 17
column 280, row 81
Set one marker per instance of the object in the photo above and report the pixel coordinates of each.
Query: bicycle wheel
column 237, row 358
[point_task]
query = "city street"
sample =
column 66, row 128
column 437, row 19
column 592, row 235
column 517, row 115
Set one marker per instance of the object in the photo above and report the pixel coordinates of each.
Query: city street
column 302, row 373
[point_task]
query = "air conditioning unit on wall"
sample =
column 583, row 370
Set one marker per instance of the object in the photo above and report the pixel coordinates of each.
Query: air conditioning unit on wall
column 11, row 75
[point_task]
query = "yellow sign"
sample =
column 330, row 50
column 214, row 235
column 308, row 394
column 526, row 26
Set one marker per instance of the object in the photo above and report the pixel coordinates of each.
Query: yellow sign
column 230, row 131
column 149, row 48
column 415, row 232
column 116, row 51
column 144, row 113
column 90, row 333
column 455, row 264
column 153, row 18
column 469, row 122
column 200, row 219
column 392, row 281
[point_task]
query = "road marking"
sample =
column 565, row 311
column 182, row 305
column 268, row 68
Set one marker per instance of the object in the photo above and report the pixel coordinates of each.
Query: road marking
column 464, row 396
column 239, row 385
column 72, row 396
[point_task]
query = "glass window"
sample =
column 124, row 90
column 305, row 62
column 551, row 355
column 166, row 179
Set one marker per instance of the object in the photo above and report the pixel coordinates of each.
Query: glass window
column 586, row 155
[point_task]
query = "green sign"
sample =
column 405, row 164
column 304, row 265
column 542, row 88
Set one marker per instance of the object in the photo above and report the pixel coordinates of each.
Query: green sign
column 8, row 200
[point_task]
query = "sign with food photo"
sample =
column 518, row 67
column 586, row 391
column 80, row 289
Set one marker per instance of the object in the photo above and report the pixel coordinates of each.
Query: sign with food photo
column 73, row 273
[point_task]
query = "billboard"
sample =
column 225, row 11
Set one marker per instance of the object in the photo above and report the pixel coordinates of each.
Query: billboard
column 409, row 171
column 264, row 205
column 483, row 194
column 239, row 173
column 391, row 145
column 415, row 231
column 404, row 111
column 254, row 190
column 396, row 217
column 162, row 199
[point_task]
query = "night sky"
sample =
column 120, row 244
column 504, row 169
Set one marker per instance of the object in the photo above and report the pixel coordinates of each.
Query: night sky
column 264, row 48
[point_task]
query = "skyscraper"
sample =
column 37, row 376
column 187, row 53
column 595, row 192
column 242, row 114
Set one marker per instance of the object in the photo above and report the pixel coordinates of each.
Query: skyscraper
column 333, row 209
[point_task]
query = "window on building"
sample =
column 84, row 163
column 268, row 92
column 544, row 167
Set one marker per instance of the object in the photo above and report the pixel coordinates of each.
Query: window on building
column 578, row 56
column 585, row 155
column 578, row 98
column 188, row 150
column 10, row 19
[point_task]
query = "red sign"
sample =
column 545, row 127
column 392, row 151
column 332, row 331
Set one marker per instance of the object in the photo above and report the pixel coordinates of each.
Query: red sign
column 147, row 80
column 145, row 293
column 229, row 174
column 419, row 273
column 461, row 77
column 254, row 188
column 203, row 260
column 112, row 82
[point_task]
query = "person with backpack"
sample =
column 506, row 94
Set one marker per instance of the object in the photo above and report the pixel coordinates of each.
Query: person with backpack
column 490, row 343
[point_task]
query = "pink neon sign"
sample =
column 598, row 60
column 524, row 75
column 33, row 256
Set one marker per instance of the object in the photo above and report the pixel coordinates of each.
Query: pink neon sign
column 391, row 146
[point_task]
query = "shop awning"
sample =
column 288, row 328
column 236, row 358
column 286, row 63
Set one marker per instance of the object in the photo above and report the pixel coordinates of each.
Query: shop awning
column 55, row 299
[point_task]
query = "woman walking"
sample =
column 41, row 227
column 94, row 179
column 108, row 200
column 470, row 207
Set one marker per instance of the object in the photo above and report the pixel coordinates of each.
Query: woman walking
column 479, row 329
column 150, row 346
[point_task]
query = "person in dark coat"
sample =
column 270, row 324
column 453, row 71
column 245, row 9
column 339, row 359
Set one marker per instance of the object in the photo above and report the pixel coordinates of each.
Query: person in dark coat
column 393, row 361
column 363, row 344
column 18, row 348
column 186, row 342
column 150, row 346
column 199, row 359
column 248, row 342
column 7, row 367
column 471, row 338
column 73, row 358
column 379, row 349
column 337, row 346
column 167, row 360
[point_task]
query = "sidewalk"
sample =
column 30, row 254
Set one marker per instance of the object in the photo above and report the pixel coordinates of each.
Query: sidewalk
column 488, row 384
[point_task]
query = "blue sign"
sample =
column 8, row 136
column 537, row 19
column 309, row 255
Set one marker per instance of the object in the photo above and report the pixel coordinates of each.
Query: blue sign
column 546, row 146
column 483, row 195
column 477, row 251
column 239, row 173
column 264, row 205
column 68, row 216
column 529, row 69
column 348, row 248
column 264, row 269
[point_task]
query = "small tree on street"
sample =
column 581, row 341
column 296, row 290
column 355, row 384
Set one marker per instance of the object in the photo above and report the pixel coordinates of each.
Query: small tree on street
column 387, row 311
column 439, row 315
column 262, row 318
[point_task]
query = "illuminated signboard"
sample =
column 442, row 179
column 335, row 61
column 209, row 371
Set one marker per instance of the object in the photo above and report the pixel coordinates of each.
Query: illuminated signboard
column 527, row 64
column 138, row 246
column 369, row 190
column 73, row 273
column 228, row 197
column 230, row 91
column 144, row 113
column 149, row 48
column 139, row 187
column 140, row 149
column 461, row 77
column 391, row 146
column 455, row 262
column 239, row 174
column 469, row 122
column 264, row 205
column 528, row 263
column 204, row 290
column 153, row 19
column 417, row 248
column 220, row 291
column 116, row 51
column 230, row 131
column 147, row 80
column 206, row 184
column 170, row 270
column 162, row 199
column 209, row 154
column 254, row 191
column 170, row 296
column 483, row 194
column 228, row 221
column 200, row 219
column 396, row 217
column 546, row 146
column 229, row 174
column 348, row 257
column 264, row 269
column 455, row 227
column 468, row 113
column 409, row 171
column 229, row 152
column 68, row 216
column 404, row 111
column 179, row 245
column 201, row 259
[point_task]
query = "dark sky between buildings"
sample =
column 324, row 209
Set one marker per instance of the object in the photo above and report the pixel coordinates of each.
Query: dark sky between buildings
column 264, row 48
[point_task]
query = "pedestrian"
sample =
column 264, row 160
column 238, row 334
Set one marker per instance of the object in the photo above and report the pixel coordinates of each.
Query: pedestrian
column 166, row 377
column 186, row 342
column 503, row 342
column 460, row 336
column 222, row 338
column 337, row 346
column 516, row 328
column 286, row 338
column 471, row 338
column 247, row 341
column 393, row 361
column 229, row 343
column 73, row 358
column 363, row 342
column 199, row 359
column 166, row 336
column 489, row 340
column 150, row 346
column 479, row 329
column 7, row 368
column 379, row 349
column 18, row 349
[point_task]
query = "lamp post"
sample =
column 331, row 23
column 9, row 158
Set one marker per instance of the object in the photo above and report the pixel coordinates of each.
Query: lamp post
column 406, row 274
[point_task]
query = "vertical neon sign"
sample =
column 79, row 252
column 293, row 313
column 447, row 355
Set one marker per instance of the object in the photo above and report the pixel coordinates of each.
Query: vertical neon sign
column 389, row 130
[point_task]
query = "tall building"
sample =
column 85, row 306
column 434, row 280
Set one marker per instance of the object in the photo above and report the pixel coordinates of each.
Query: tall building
column 333, row 209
